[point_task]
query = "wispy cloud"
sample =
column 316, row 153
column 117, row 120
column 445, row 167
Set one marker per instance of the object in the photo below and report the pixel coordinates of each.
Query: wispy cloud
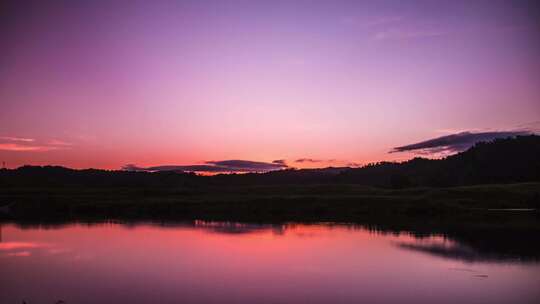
column 402, row 34
column 530, row 126
column 394, row 31
column 24, row 148
column 20, row 144
column 21, row 139
column 383, row 21
column 309, row 160
column 456, row 142
column 56, row 142
column 372, row 22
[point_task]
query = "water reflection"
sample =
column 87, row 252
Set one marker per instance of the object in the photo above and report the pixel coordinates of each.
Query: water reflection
column 228, row 262
column 459, row 251
column 238, row 228
column 470, row 245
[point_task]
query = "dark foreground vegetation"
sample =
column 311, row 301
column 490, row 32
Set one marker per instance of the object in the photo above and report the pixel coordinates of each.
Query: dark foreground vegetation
column 282, row 203
column 420, row 189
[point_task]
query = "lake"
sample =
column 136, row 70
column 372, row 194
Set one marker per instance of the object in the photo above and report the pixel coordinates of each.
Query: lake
column 225, row 262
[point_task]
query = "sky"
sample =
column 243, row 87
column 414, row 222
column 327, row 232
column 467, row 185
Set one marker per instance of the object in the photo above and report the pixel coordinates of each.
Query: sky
column 104, row 84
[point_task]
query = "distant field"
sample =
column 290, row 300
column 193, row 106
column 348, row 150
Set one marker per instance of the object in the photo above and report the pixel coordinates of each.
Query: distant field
column 312, row 202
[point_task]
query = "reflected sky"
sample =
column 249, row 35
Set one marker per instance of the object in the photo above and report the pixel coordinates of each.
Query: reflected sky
column 213, row 262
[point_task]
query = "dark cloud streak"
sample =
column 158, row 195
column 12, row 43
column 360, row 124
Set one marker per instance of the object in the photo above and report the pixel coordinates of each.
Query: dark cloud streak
column 456, row 142
column 308, row 160
column 238, row 166
column 247, row 165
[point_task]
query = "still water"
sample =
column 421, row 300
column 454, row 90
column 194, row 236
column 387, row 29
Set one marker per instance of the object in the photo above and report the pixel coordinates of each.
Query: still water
column 215, row 262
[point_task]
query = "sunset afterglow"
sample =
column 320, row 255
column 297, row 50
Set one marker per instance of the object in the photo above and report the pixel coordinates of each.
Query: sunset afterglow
column 341, row 83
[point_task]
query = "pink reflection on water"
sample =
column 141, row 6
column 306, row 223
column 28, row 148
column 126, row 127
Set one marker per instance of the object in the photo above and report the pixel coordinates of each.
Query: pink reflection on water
column 18, row 245
column 19, row 254
column 211, row 262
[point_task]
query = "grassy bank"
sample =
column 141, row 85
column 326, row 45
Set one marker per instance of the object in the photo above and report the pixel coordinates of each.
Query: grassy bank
column 276, row 203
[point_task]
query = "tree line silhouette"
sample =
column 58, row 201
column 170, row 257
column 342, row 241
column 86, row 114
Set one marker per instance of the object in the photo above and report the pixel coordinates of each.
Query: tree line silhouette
column 510, row 160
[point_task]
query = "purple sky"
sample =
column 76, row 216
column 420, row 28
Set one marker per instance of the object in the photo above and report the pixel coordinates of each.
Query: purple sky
column 108, row 83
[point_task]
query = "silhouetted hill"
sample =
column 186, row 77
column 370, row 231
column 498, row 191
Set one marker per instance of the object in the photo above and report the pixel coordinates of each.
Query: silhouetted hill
column 501, row 161
column 49, row 176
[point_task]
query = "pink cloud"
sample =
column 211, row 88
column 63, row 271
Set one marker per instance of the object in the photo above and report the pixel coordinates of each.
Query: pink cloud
column 18, row 245
column 19, row 144
column 20, row 254
column 56, row 142
column 12, row 138
column 25, row 148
